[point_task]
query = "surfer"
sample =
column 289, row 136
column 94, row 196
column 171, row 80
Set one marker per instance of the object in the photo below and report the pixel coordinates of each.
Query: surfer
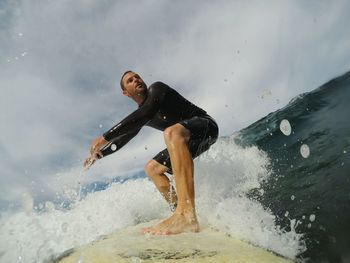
column 188, row 131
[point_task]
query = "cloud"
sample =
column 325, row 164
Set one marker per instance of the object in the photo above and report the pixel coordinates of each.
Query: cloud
column 60, row 68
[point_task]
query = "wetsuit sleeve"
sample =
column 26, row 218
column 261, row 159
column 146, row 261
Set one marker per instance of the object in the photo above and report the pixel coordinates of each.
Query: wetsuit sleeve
column 136, row 120
column 117, row 143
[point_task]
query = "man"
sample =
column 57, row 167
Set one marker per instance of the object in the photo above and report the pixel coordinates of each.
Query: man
column 188, row 131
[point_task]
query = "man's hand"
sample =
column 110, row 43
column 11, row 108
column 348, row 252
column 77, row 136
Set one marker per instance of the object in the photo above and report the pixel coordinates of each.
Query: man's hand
column 95, row 152
column 91, row 160
column 97, row 144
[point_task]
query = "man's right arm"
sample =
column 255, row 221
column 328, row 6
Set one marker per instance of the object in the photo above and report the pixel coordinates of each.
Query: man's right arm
column 125, row 130
column 100, row 147
column 136, row 120
column 117, row 143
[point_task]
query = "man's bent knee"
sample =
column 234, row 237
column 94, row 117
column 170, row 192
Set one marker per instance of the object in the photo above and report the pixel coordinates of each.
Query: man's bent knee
column 177, row 132
column 152, row 167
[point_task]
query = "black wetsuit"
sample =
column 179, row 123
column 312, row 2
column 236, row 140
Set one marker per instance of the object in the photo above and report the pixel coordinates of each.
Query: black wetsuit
column 164, row 107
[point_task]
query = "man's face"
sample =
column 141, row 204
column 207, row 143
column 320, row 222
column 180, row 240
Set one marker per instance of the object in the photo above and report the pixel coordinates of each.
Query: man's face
column 133, row 85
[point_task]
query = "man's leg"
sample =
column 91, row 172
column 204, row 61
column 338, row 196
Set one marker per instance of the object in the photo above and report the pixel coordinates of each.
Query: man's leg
column 184, row 219
column 156, row 172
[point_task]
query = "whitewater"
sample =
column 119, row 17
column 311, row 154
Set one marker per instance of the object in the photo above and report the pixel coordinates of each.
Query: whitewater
column 223, row 177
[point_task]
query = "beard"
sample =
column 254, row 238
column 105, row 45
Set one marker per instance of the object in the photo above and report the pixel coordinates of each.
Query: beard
column 141, row 89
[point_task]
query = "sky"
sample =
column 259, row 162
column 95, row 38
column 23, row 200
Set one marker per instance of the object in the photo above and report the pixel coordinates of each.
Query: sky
column 61, row 62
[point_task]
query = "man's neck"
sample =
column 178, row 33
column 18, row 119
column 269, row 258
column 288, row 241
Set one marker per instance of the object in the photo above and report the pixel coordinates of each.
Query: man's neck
column 140, row 99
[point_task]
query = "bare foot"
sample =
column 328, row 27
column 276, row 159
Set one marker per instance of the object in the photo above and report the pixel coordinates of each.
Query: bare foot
column 177, row 223
column 146, row 230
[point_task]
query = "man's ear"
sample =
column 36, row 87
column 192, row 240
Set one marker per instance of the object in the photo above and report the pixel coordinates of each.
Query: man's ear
column 126, row 93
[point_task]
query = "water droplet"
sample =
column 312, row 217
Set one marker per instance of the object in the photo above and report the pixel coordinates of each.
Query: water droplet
column 113, row 147
column 309, row 225
column 312, row 218
column 286, row 213
column 305, row 150
column 344, row 151
column 266, row 94
column 146, row 147
column 285, row 127
column 64, row 227
column 292, row 197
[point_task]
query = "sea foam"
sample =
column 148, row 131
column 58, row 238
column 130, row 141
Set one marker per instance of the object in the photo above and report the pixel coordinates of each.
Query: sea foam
column 223, row 177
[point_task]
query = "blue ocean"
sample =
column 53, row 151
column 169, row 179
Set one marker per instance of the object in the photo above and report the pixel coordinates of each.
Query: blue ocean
column 315, row 191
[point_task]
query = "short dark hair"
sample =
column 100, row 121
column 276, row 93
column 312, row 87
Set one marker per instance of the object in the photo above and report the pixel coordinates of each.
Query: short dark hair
column 121, row 80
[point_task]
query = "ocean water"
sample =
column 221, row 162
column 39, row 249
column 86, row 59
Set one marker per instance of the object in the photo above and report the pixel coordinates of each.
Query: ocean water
column 224, row 176
column 310, row 168
column 281, row 184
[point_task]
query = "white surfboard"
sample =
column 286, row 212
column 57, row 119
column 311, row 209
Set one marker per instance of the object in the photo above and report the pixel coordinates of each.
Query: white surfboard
column 128, row 245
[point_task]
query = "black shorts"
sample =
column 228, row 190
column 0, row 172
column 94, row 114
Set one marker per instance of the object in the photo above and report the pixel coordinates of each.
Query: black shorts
column 204, row 133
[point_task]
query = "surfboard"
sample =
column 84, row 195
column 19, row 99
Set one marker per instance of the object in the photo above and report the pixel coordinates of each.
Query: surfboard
column 128, row 245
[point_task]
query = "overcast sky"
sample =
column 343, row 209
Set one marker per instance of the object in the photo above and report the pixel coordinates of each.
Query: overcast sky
column 61, row 61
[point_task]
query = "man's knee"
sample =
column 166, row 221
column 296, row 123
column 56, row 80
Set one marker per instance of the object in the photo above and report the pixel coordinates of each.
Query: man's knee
column 149, row 167
column 152, row 168
column 177, row 132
